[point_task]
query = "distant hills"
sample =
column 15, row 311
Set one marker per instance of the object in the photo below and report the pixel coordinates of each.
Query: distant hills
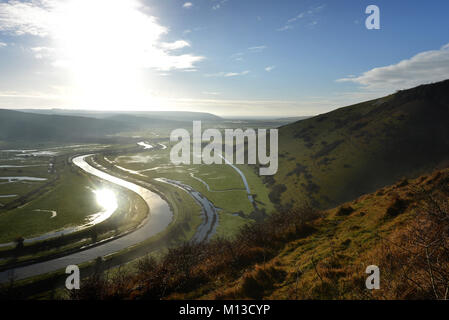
column 63, row 125
column 20, row 126
column 293, row 119
column 68, row 126
column 340, row 155
column 162, row 115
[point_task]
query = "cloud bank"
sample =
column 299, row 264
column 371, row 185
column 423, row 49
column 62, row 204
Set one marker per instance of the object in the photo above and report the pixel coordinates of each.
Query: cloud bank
column 425, row 67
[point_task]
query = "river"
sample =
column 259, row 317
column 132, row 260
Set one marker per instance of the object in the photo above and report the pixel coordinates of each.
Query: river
column 159, row 218
column 208, row 211
column 242, row 175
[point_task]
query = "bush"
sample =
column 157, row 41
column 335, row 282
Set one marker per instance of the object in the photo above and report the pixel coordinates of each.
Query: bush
column 345, row 211
column 256, row 285
column 299, row 169
column 422, row 249
column 276, row 192
column 396, row 207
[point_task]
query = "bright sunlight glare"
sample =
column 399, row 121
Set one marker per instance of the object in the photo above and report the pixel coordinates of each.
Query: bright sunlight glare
column 104, row 44
column 106, row 199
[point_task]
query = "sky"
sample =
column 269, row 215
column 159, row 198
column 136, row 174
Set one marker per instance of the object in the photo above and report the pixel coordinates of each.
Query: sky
column 229, row 57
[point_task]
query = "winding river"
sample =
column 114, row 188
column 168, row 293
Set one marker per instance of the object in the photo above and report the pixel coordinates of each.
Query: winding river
column 209, row 212
column 242, row 175
column 159, row 218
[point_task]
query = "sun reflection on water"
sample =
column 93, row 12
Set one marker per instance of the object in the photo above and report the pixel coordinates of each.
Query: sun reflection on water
column 108, row 201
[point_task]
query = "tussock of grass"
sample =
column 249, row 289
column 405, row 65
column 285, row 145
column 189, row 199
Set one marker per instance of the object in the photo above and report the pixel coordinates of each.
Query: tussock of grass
column 345, row 211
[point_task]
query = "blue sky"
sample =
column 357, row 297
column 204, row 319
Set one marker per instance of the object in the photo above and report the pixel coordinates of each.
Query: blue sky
column 232, row 58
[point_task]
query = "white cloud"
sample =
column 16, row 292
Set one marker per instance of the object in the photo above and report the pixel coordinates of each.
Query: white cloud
column 236, row 74
column 227, row 74
column 77, row 25
column 237, row 56
column 219, row 4
column 2, row 44
column 306, row 14
column 425, row 67
column 285, row 28
column 211, row 93
column 269, row 68
column 43, row 52
column 185, row 61
column 299, row 16
column 175, row 45
column 257, row 48
column 26, row 17
column 27, row 94
column 187, row 5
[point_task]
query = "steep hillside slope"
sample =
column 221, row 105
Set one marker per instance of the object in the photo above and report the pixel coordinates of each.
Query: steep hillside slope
column 335, row 157
column 403, row 229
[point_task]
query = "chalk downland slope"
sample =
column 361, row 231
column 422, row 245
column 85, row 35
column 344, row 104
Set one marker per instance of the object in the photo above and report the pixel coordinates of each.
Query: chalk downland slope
column 304, row 254
column 340, row 155
column 402, row 228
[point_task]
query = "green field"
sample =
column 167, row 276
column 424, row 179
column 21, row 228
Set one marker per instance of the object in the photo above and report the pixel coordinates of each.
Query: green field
column 225, row 188
column 71, row 196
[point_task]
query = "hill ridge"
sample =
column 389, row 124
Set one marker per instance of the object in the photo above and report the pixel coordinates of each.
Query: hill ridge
column 337, row 156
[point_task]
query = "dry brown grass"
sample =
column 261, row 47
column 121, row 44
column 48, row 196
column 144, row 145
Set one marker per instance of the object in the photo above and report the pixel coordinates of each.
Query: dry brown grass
column 302, row 255
column 194, row 269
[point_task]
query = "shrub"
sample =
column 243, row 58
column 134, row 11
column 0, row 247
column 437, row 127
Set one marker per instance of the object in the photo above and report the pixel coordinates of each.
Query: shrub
column 416, row 259
column 396, row 207
column 276, row 192
column 345, row 211
column 257, row 284
column 299, row 169
column 404, row 182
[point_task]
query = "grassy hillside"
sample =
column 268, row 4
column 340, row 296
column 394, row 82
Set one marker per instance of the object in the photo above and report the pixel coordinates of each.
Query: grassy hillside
column 304, row 254
column 335, row 157
column 390, row 228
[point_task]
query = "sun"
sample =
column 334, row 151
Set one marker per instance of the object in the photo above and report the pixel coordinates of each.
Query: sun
column 103, row 44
